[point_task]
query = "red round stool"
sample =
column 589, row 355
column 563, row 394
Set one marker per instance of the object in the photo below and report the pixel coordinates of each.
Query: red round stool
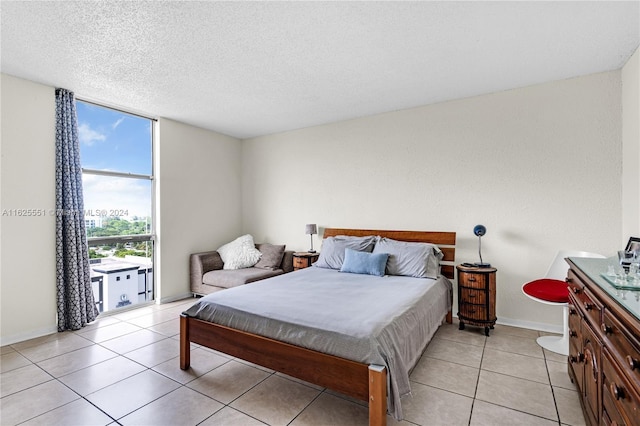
column 556, row 293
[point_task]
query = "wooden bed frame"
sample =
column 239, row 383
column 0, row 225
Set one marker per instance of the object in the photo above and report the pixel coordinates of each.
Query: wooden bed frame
column 361, row 381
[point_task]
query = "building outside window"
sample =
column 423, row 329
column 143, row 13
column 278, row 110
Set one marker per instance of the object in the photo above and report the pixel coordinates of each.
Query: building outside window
column 116, row 151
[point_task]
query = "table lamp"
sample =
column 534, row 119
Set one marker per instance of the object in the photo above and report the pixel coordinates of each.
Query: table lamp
column 479, row 231
column 311, row 229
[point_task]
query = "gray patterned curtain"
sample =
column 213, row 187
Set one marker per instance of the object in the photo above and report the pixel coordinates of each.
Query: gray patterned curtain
column 76, row 306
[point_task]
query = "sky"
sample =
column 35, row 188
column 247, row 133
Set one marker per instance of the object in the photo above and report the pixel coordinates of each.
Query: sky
column 114, row 141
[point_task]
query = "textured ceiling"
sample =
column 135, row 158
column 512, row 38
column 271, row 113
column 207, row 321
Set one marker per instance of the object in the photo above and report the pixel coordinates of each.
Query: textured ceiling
column 254, row 68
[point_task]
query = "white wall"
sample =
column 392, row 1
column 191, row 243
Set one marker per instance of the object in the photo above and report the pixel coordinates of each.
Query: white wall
column 199, row 204
column 539, row 166
column 198, row 172
column 631, row 148
column 28, row 264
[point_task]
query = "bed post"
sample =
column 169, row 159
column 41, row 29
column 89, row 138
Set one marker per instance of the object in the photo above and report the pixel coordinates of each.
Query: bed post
column 449, row 313
column 377, row 395
column 185, row 349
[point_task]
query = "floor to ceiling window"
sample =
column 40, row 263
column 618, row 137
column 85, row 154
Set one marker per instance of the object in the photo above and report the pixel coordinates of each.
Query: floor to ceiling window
column 116, row 151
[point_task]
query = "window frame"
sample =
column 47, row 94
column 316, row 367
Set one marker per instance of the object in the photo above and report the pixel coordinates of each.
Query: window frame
column 150, row 237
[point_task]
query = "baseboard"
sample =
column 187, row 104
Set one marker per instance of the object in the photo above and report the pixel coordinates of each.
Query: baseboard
column 549, row 328
column 17, row 338
column 176, row 298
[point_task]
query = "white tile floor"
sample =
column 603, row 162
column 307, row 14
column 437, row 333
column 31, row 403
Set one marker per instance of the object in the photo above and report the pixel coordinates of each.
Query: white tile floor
column 123, row 369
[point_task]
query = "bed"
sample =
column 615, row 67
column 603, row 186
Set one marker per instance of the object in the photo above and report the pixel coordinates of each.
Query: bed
column 319, row 345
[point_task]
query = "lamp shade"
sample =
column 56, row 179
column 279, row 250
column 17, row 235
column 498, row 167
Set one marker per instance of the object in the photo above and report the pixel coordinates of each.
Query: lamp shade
column 479, row 230
column 311, row 229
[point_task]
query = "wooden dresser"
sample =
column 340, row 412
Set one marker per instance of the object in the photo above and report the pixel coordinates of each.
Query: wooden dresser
column 477, row 297
column 604, row 344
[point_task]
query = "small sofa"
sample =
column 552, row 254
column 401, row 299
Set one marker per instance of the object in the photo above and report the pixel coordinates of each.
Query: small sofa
column 207, row 276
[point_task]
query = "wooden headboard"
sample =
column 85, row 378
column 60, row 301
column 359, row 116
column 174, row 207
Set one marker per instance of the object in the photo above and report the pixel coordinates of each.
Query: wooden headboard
column 446, row 241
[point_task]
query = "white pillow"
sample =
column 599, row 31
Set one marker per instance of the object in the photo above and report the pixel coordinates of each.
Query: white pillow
column 240, row 253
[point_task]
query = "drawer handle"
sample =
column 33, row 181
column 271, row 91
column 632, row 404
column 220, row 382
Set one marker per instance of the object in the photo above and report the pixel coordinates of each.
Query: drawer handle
column 618, row 392
column 572, row 333
column 472, row 279
column 633, row 363
column 606, row 329
column 591, row 361
column 573, row 359
column 588, row 306
column 471, row 296
column 575, row 290
column 568, row 280
column 572, row 311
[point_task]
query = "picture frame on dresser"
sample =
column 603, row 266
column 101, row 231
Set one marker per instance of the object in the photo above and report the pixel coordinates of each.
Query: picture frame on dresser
column 631, row 253
column 633, row 245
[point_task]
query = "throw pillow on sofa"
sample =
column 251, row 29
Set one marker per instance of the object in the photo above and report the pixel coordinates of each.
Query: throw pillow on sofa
column 271, row 256
column 239, row 253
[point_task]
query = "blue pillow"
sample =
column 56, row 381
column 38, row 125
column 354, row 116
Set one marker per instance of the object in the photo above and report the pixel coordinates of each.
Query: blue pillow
column 361, row 262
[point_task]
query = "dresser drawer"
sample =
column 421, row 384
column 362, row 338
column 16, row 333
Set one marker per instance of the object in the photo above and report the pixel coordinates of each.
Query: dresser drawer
column 473, row 312
column 618, row 394
column 592, row 379
column 576, row 357
column 472, row 280
column 575, row 321
column 590, row 307
column 468, row 295
column 610, row 414
column 300, row 262
column 623, row 346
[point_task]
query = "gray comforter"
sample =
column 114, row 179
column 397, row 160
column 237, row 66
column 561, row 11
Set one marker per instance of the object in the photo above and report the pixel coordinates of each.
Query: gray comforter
column 374, row 320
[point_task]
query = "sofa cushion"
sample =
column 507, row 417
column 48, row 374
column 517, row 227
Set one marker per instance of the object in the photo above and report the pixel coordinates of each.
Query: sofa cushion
column 228, row 278
column 239, row 253
column 271, row 256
